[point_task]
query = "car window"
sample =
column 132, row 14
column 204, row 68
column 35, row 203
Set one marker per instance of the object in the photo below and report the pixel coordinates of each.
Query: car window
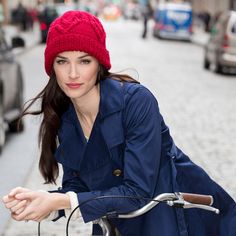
column 233, row 28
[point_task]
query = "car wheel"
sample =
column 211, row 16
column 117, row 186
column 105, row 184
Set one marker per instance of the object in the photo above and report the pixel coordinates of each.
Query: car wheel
column 218, row 68
column 20, row 98
column 2, row 125
column 2, row 134
column 17, row 126
column 206, row 63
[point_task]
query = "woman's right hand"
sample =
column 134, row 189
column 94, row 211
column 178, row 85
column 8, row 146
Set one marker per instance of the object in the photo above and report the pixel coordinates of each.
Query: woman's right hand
column 14, row 205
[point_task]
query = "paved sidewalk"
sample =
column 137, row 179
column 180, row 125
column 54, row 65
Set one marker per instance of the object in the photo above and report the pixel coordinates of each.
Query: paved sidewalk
column 15, row 228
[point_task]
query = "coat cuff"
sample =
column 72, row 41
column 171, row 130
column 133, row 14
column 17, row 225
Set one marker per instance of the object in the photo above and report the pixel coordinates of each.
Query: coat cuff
column 73, row 203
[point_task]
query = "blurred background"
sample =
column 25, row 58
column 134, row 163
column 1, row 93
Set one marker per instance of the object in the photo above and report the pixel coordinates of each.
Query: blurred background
column 183, row 51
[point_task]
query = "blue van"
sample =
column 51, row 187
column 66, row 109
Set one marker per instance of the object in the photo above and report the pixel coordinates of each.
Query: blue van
column 173, row 21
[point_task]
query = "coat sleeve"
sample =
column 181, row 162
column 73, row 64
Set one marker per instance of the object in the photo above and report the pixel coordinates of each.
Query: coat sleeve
column 70, row 182
column 141, row 161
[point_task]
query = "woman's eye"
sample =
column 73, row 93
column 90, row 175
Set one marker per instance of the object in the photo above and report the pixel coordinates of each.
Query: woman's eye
column 60, row 61
column 85, row 61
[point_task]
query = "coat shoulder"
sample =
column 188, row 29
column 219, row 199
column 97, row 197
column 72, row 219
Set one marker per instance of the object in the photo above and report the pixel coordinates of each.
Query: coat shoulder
column 137, row 92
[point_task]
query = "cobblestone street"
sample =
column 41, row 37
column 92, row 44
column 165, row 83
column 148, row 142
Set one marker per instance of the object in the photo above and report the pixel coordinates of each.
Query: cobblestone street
column 198, row 106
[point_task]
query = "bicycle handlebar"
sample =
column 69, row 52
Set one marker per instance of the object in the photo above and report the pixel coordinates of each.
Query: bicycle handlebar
column 197, row 198
column 183, row 200
column 150, row 205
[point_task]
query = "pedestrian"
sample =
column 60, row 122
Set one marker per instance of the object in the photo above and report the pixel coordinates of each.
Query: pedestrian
column 111, row 140
column 147, row 13
column 21, row 16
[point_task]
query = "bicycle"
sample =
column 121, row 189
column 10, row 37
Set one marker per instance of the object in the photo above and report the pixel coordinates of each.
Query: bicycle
column 181, row 200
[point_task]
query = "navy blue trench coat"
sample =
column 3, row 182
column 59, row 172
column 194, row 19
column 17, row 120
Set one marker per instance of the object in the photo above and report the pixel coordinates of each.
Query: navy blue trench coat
column 130, row 153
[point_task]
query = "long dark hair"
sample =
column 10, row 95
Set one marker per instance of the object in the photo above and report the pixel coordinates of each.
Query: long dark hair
column 54, row 103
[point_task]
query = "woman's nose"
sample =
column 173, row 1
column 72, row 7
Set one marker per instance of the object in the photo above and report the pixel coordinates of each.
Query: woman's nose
column 73, row 73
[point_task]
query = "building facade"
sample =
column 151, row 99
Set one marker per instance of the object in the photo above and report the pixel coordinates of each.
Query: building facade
column 211, row 6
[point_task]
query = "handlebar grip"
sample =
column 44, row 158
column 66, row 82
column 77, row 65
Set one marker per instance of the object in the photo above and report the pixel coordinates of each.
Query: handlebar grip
column 198, row 198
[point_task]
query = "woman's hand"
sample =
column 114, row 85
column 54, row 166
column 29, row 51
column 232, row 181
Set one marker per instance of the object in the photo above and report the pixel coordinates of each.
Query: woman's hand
column 34, row 205
column 14, row 205
column 39, row 205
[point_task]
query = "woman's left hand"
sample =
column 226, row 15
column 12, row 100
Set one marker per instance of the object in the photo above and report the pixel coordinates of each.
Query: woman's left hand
column 39, row 205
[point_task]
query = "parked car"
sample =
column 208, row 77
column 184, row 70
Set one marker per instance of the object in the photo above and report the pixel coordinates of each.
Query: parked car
column 11, row 89
column 173, row 21
column 220, row 50
column 46, row 17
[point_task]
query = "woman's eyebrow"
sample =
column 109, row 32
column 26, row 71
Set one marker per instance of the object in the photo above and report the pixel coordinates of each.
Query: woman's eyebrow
column 62, row 57
column 85, row 55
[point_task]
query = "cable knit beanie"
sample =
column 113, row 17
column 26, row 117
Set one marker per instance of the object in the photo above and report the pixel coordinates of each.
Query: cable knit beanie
column 76, row 31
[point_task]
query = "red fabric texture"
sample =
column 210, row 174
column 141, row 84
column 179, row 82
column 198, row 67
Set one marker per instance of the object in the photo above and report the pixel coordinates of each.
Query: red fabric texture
column 76, row 31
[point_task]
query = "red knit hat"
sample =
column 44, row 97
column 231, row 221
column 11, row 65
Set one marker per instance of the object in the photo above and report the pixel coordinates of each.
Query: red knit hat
column 76, row 31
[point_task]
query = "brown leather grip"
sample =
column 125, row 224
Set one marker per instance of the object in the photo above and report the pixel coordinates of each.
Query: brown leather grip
column 198, row 198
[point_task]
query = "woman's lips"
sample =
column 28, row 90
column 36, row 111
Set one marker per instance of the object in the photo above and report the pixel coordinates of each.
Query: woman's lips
column 73, row 85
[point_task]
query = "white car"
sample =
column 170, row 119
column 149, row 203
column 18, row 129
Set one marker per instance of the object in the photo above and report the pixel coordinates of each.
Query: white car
column 220, row 50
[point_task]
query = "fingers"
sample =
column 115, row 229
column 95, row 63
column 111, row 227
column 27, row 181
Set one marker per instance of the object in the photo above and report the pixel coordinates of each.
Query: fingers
column 11, row 196
column 17, row 190
column 18, row 208
column 32, row 216
column 23, row 215
column 19, row 211
column 7, row 199
column 25, row 195
column 12, row 204
column 27, row 214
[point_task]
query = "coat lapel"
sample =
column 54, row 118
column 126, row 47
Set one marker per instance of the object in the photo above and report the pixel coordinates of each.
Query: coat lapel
column 111, row 106
column 72, row 143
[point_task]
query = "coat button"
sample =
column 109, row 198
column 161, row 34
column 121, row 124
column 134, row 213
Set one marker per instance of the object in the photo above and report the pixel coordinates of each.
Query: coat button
column 117, row 172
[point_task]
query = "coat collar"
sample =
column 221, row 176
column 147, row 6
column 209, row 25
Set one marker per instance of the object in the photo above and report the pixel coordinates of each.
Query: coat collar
column 111, row 100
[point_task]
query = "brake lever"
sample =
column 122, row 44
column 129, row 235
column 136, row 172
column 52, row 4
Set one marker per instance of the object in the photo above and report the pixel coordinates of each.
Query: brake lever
column 188, row 205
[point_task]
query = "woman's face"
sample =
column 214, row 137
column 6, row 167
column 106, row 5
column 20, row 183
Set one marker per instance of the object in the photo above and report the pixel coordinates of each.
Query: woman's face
column 76, row 73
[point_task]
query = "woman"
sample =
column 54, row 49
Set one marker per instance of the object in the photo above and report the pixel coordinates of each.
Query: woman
column 107, row 132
